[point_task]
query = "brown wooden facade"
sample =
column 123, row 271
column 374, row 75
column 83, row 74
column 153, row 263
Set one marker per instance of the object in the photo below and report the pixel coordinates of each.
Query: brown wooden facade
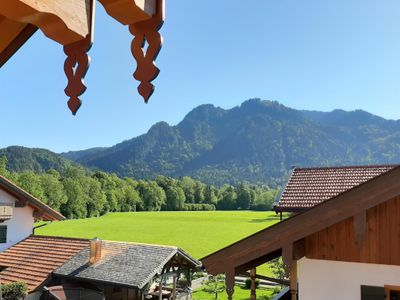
column 380, row 245
column 360, row 225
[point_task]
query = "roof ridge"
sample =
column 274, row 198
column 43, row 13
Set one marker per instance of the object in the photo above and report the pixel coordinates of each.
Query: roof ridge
column 57, row 237
column 349, row 167
column 143, row 244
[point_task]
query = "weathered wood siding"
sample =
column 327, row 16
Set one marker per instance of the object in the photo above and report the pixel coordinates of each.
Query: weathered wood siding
column 381, row 239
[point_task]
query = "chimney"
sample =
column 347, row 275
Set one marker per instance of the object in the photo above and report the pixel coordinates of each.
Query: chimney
column 95, row 250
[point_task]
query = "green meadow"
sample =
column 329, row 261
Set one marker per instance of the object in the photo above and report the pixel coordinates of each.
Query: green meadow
column 198, row 233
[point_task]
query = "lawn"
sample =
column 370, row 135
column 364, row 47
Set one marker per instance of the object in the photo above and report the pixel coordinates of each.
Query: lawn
column 239, row 294
column 198, row 233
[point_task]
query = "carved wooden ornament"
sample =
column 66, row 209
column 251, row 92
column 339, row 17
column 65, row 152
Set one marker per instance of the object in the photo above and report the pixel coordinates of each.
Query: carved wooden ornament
column 77, row 64
column 147, row 32
column 75, row 67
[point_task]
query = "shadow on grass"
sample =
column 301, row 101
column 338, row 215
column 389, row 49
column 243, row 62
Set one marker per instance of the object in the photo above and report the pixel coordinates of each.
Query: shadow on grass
column 269, row 219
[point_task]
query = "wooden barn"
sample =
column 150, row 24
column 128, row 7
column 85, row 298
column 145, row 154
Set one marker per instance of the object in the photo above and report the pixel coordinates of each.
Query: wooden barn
column 343, row 243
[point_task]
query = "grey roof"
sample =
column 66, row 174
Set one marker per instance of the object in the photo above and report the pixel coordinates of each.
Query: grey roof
column 128, row 264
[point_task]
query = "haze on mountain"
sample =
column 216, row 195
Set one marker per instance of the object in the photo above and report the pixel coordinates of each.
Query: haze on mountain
column 258, row 142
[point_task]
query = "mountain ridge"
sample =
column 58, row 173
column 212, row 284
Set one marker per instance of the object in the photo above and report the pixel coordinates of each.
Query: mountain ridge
column 257, row 141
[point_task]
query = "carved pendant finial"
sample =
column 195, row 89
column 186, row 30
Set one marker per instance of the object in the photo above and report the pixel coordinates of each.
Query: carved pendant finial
column 147, row 32
column 77, row 63
column 75, row 67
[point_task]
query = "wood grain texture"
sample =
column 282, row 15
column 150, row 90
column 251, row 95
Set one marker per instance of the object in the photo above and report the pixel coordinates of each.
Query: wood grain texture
column 65, row 21
column 130, row 11
column 381, row 240
column 367, row 196
column 12, row 36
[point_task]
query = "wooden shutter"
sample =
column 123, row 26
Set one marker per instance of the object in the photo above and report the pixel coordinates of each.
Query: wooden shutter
column 3, row 234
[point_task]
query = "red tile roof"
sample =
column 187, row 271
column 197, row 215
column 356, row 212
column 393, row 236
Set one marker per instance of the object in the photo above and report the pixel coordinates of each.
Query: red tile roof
column 35, row 258
column 308, row 187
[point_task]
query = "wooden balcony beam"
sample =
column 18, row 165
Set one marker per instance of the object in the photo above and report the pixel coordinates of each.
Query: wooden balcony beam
column 130, row 11
column 64, row 21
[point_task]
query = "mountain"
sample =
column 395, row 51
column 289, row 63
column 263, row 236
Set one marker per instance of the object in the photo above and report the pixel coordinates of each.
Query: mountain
column 257, row 141
column 33, row 159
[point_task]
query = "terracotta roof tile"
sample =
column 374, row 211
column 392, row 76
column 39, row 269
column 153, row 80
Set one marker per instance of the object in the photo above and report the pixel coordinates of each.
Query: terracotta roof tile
column 33, row 259
column 308, row 187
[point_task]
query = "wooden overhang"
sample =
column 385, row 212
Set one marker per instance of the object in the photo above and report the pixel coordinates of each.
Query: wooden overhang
column 71, row 24
column 41, row 210
column 287, row 238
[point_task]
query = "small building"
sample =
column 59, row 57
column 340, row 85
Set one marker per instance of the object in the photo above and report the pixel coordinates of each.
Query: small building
column 69, row 266
column 345, row 247
column 18, row 212
column 104, row 269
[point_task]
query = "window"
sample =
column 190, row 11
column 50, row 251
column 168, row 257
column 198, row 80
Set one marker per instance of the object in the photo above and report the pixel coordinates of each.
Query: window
column 392, row 292
column 3, row 234
column 372, row 293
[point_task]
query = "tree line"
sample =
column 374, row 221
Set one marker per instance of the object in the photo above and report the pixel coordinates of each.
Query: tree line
column 81, row 193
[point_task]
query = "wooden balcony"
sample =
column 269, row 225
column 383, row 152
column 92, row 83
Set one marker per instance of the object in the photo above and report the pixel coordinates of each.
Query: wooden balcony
column 71, row 23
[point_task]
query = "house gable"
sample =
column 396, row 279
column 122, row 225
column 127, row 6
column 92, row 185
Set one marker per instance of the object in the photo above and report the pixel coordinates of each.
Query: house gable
column 379, row 245
column 288, row 238
column 19, row 226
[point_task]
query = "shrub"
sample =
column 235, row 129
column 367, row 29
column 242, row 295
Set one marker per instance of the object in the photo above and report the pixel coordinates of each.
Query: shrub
column 247, row 283
column 198, row 207
column 14, row 291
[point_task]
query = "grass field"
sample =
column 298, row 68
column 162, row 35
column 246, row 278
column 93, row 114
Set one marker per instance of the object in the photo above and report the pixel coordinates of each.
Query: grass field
column 198, row 233
column 240, row 294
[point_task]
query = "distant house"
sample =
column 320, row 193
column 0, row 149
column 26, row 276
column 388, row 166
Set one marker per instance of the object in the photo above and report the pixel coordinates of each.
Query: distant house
column 343, row 243
column 307, row 187
column 18, row 211
column 66, row 267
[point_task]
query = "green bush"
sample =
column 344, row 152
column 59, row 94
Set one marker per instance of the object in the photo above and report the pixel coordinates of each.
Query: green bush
column 198, row 207
column 14, row 291
column 247, row 283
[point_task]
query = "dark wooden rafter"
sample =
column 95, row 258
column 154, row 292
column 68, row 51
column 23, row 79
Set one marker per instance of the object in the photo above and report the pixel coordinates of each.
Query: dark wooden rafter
column 77, row 63
column 17, row 43
column 146, row 33
column 258, row 261
column 287, row 257
column 38, row 214
column 253, row 273
column 21, row 203
column 230, row 283
column 267, row 278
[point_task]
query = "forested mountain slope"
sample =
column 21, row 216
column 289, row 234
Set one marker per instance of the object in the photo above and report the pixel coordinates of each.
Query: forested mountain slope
column 257, row 141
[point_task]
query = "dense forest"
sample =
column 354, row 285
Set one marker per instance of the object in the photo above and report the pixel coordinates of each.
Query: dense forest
column 79, row 193
column 258, row 142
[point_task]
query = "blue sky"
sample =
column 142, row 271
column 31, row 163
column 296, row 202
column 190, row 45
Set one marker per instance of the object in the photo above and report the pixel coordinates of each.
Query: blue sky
column 307, row 54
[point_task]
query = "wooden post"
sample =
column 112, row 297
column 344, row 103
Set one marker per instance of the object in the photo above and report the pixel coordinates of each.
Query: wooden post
column 253, row 273
column 174, row 287
column 230, row 283
column 293, row 280
column 160, row 289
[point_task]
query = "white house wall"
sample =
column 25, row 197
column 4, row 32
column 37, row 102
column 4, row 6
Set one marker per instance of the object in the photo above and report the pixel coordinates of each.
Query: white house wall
column 333, row 280
column 20, row 226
